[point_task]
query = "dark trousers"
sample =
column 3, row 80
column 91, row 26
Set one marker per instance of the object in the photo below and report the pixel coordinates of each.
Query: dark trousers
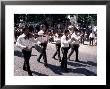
column 58, row 46
column 43, row 53
column 74, row 47
column 82, row 40
column 27, row 55
column 64, row 58
column 91, row 41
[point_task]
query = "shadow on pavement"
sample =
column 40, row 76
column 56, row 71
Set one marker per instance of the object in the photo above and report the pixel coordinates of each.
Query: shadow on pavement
column 39, row 74
column 76, row 64
column 18, row 53
column 82, row 71
column 58, row 70
column 89, row 63
column 55, row 69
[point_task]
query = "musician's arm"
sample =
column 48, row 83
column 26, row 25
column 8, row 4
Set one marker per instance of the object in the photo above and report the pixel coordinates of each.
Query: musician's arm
column 19, row 43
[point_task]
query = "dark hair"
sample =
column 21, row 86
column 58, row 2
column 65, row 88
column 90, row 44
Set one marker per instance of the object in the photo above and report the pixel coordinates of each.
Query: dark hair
column 25, row 28
column 45, row 24
column 29, row 34
column 66, row 31
column 30, row 30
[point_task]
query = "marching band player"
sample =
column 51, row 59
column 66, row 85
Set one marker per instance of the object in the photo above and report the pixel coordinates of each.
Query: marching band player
column 57, row 39
column 25, row 42
column 43, row 40
column 65, row 41
column 75, row 43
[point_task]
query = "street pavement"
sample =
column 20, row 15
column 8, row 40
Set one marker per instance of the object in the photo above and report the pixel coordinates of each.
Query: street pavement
column 86, row 67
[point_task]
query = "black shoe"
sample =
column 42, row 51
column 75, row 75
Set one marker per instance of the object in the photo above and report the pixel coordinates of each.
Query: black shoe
column 30, row 73
column 66, row 70
column 53, row 57
column 38, row 60
column 77, row 61
column 45, row 65
column 62, row 66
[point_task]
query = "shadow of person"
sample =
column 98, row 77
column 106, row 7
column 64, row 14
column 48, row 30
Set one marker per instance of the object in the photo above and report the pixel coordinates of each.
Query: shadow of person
column 89, row 63
column 39, row 74
column 55, row 69
column 18, row 53
column 76, row 64
column 82, row 71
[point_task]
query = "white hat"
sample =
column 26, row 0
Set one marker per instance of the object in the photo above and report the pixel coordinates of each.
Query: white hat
column 41, row 32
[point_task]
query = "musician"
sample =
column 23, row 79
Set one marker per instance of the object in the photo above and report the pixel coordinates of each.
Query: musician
column 25, row 42
column 65, row 41
column 57, row 39
column 75, row 44
column 43, row 40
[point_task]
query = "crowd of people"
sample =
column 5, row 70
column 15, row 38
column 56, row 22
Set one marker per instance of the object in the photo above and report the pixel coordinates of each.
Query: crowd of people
column 69, row 39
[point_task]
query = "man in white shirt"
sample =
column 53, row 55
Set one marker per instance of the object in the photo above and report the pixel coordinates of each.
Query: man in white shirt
column 25, row 42
column 57, row 39
column 91, row 38
column 43, row 40
column 65, row 41
column 75, row 44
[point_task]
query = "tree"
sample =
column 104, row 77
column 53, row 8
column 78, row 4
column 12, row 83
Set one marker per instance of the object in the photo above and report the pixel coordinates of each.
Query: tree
column 87, row 19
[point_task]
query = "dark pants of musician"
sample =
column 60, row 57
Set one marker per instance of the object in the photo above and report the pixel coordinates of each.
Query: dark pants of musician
column 74, row 47
column 43, row 53
column 64, row 58
column 58, row 46
column 26, row 66
column 82, row 40
column 91, row 41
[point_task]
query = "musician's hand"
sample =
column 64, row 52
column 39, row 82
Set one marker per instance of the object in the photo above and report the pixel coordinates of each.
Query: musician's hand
column 26, row 48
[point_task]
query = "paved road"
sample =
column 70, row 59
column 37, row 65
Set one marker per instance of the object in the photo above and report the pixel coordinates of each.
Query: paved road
column 86, row 67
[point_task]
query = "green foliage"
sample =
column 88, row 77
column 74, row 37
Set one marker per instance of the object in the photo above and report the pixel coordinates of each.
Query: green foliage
column 84, row 19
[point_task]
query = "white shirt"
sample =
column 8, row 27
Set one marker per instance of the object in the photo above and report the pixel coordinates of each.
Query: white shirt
column 64, row 42
column 42, row 38
column 57, row 39
column 23, row 43
column 76, row 37
column 41, row 32
column 92, row 35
